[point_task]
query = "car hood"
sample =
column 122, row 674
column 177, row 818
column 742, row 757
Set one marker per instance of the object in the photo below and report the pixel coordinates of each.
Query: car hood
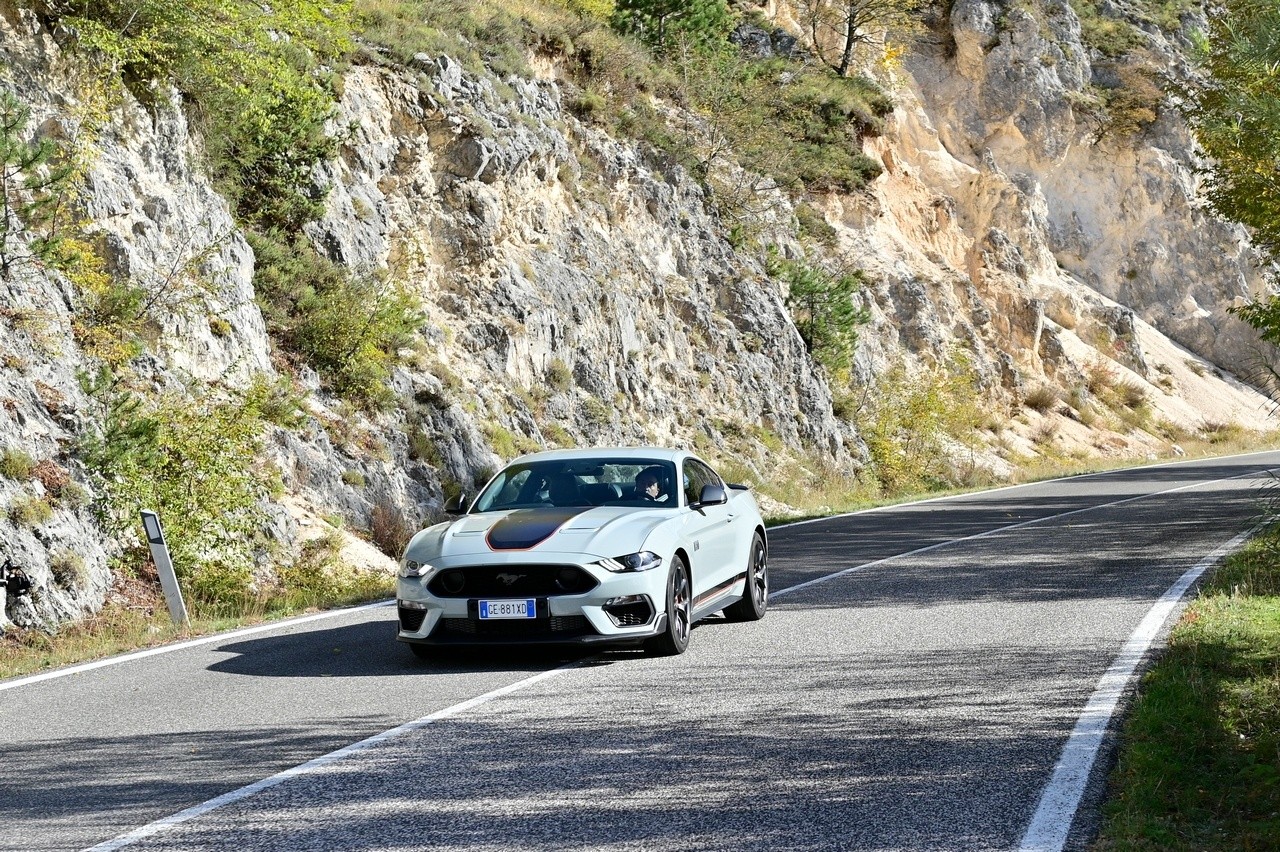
column 602, row 531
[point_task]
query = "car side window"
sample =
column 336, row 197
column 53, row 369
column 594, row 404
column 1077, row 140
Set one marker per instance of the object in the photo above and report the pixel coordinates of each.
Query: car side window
column 696, row 476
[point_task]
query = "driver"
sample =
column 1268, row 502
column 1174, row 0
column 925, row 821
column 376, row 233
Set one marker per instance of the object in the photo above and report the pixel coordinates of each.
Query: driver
column 649, row 486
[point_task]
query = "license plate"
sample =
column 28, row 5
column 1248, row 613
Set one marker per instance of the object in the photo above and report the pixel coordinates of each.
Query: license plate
column 508, row 609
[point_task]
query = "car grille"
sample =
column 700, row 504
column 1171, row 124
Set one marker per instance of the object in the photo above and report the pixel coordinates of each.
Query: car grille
column 511, row 581
column 557, row 626
column 411, row 619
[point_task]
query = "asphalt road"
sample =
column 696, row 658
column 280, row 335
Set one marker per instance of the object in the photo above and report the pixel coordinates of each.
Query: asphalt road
column 919, row 699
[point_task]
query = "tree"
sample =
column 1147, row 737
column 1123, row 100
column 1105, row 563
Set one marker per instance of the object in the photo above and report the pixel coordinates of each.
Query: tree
column 663, row 23
column 34, row 192
column 822, row 307
column 850, row 23
column 1235, row 111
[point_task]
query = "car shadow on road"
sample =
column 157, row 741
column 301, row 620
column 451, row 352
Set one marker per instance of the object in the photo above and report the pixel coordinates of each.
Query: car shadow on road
column 370, row 649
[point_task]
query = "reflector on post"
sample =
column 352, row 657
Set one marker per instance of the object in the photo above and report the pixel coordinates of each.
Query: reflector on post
column 164, row 567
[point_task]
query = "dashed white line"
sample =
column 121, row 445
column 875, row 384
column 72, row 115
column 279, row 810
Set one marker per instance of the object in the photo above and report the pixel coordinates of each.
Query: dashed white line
column 318, row 763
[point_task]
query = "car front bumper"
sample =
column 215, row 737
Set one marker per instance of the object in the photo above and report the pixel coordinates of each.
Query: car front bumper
column 621, row 609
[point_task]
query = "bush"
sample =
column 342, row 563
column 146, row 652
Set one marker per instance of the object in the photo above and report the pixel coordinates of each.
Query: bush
column 1041, row 398
column 911, row 420
column 16, row 464
column 218, row 589
column 389, row 529
column 822, row 306
column 190, row 461
column 28, row 510
column 1111, row 37
column 348, row 328
column 67, row 568
column 318, row 576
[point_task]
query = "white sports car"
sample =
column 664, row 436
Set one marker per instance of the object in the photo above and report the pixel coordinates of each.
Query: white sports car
column 610, row 546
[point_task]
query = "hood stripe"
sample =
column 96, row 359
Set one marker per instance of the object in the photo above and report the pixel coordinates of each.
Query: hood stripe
column 527, row 528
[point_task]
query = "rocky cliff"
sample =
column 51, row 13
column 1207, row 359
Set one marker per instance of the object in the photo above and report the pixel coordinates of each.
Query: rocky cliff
column 578, row 290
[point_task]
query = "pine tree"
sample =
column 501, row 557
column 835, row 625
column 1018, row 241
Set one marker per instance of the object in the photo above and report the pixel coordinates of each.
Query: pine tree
column 662, row 24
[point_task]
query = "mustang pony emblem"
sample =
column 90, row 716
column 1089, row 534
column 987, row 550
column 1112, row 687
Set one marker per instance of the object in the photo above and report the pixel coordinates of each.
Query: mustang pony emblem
column 509, row 579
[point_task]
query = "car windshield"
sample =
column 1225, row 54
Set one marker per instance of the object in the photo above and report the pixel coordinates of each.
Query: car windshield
column 642, row 483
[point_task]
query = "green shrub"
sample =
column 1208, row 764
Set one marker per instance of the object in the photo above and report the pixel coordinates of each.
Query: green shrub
column 823, row 308
column 27, row 510
column 814, row 225
column 67, row 568
column 667, row 25
column 217, row 589
column 192, row 461
column 1041, row 398
column 349, row 328
column 319, row 577
column 589, row 103
column 1111, row 37
column 596, row 412
column 909, row 421
column 559, row 376
column 37, row 186
column 353, row 478
column 253, row 75
column 16, row 464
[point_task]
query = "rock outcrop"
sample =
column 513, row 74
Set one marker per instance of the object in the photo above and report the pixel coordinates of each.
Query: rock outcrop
column 578, row 290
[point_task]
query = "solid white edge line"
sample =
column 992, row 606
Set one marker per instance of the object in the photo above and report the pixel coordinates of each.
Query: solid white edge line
column 321, row 762
column 188, row 643
column 1051, row 823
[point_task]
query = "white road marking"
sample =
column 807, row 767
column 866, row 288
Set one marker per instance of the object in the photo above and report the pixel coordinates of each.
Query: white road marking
column 190, row 643
column 1019, row 525
column 262, row 628
column 320, row 762
column 1056, row 811
column 335, row 756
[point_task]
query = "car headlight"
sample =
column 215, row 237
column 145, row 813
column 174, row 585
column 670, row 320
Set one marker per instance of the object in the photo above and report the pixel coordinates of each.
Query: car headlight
column 645, row 560
column 409, row 568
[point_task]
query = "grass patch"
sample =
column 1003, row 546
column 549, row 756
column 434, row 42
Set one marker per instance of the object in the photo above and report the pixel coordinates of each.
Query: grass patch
column 1200, row 760
column 16, row 464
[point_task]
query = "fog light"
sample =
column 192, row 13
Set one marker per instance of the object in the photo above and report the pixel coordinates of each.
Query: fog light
column 411, row 605
column 629, row 610
column 453, row 581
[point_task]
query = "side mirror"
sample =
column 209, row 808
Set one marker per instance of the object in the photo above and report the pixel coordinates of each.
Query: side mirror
column 457, row 504
column 712, row 495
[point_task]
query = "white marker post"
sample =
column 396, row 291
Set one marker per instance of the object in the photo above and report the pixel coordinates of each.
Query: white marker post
column 164, row 566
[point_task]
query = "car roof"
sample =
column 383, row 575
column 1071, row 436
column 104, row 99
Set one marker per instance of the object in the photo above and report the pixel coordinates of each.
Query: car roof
column 638, row 453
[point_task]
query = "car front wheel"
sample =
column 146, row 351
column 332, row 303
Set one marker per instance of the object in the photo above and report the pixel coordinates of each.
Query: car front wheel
column 675, row 638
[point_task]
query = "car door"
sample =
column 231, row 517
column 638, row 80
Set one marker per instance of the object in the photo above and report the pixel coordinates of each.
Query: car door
column 710, row 529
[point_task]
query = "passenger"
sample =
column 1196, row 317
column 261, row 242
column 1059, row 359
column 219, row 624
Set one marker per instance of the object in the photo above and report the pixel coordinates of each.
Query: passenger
column 563, row 491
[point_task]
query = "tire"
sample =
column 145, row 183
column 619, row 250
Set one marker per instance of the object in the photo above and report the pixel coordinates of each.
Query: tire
column 755, row 595
column 675, row 638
